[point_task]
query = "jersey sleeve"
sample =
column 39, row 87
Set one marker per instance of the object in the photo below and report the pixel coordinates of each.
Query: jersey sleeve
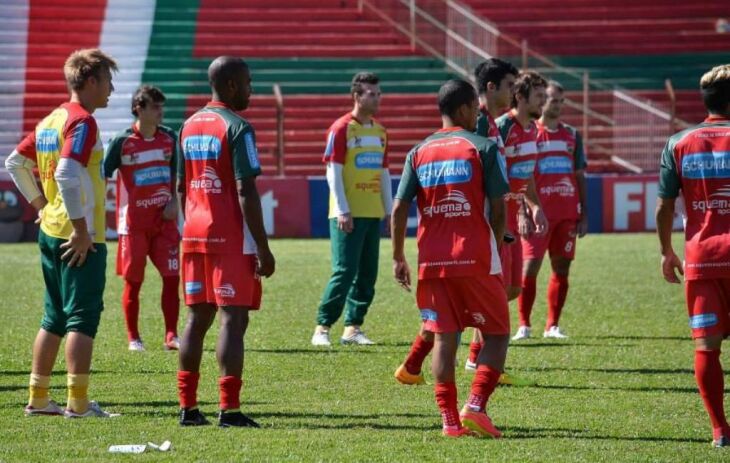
column 669, row 181
column 408, row 185
column 175, row 149
column 113, row 156
column 503, row 124
column 27, row 147
column 579, row 154
column 336, row 148
column 385, row 152
column 80, row 138
column 244, row 153
column 494, row 171
column 482, row 126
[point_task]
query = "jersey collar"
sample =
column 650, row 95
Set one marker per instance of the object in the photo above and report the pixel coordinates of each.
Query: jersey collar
column 450, row 129
column 218, row 104
column 139, row 134
column 716, row 118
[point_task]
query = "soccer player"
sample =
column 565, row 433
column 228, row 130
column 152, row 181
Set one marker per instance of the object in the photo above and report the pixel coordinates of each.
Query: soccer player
column 695, row 163
column 561, row 187
column 453, row 174
column 224, row 244
column 524, row 211
column 145, row 155
column 67, row 151
column 360, row 196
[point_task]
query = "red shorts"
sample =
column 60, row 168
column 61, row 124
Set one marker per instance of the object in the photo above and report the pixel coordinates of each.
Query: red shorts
column 221, row 279
column 448, row 305
column 559, row 241
column 161, row 244
column 510, row 256
column 708, row 304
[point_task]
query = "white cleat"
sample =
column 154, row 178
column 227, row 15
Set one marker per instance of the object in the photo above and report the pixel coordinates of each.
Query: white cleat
column 523, row 332
column 49, row 410
column 321, row 338
column 357, row 337
column 94, row 411
column 470, row 366
column 173, row 343
column 136, row 345
column 554, row 332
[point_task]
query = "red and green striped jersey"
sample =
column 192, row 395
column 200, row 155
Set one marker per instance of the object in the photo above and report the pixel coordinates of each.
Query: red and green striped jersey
column 696, row 162
column 144, row 184
column 487, row 127
column 218, row 147
column 450, row 174
column 560, row 155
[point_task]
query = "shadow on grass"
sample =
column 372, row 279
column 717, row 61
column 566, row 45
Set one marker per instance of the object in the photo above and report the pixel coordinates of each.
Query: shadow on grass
column 519, row 432
column 679, row 390
column 639, row 371
column 530, row 344
column 55, row 372
column 24, row 387
column 644, row 338
column 314, row 350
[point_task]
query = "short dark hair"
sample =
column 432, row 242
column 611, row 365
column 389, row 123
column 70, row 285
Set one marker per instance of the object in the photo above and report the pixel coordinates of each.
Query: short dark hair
column 556, row 85
column 363, row 78
column 454, row 94
column 493, row 70
column 146, row 94
column 715, row 88
column 526, row 81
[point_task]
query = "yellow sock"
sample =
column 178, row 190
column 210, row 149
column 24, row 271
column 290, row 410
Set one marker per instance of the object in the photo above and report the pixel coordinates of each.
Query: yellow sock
column 38, row 387
column 78, row 388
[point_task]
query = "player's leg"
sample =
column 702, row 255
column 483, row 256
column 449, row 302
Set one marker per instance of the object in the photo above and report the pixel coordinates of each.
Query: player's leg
column 362, row 292
column 409, row 372
column 442, row 367
column 131, row 261
column 165, row 256
column 533, row 251
column 83, row 291
column 200, row 318
column 513, row 282
column 346, row 250
column 562, row 253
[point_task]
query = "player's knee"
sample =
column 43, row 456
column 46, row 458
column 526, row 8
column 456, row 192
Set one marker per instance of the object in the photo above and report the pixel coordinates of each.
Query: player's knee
column 87, row 325
column 54, row 326
column 708, row 343
column 513, row 292
column 561, row 266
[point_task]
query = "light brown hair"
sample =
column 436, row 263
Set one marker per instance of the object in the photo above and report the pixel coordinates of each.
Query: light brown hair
column 82, row 64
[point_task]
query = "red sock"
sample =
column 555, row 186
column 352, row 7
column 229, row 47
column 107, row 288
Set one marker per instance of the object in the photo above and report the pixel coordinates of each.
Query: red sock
column 170, row 302
column 710, row 380
column 230, row 392
column 482, row 387
column 474, row 348
column 446, row 400
column 130, row 306
column 419, row 351
column 187, row 388
column 526, row 299
column 556, row 292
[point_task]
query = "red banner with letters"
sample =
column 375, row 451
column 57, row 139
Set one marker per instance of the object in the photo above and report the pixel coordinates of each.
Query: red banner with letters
column 629, row 204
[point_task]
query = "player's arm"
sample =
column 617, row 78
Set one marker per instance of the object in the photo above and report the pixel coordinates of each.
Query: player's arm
column 113, row 156
column 20, row 164
column 334, row 155
column 170, row 211
column 580, row 165
column 179, row 153
column 399, row 222
column 246, row 168
column 669, row 186
column 75, row 154
column 535, row 208
column 495, row 187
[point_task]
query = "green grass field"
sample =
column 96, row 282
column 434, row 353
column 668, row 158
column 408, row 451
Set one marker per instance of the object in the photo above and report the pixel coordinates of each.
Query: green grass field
column 620, row 389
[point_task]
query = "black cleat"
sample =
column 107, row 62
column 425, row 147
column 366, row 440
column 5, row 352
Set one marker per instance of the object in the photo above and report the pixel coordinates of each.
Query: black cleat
column 236, row 419
column 192, row 417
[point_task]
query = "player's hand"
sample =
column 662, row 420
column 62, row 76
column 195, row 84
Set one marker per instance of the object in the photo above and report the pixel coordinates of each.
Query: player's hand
column 670, row 263
column 402, row 273
column 581, row 228
column 77, row 247
column 540, row 221
column 525, row 227
column 344, row 222
column 39, row 219
column 39, row 204
column 266, row 263
column 170, row 210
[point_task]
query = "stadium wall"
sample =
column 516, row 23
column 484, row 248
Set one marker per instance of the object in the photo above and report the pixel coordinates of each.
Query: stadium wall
column 296, row 207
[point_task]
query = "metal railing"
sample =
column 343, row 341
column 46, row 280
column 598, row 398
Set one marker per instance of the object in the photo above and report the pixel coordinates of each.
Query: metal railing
column 453, row 33
column 279, row 150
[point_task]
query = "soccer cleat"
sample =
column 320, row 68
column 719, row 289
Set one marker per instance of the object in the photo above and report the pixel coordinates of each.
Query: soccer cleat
column 479, row 423
column 721, row 441
column 508, row 379
column 235, row 419
column 321, row 338
column 192, row 417
column 456, row 431
column 404, row 377
column 173, row 343
column 49, row 410
column 554, row 332
column 523, row 332
column 136, row 345
column 470, row 366
column 358, row 337
column 94, row 411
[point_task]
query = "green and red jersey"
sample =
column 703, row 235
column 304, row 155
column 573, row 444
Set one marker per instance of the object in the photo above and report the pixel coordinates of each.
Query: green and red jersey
column 450, row 174
column 487, row 127
column 144, row 184
column 560, row 155
column 218, row 147
column 697, row 162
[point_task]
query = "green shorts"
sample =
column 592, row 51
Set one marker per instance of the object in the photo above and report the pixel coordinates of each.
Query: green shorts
column 74, row 295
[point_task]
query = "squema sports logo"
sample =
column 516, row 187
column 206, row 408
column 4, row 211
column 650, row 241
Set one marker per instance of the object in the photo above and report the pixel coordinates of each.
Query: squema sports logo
column 159, row 198
column 454, row 204
column 714, row 164
column 209, row 182
column 444, row 173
